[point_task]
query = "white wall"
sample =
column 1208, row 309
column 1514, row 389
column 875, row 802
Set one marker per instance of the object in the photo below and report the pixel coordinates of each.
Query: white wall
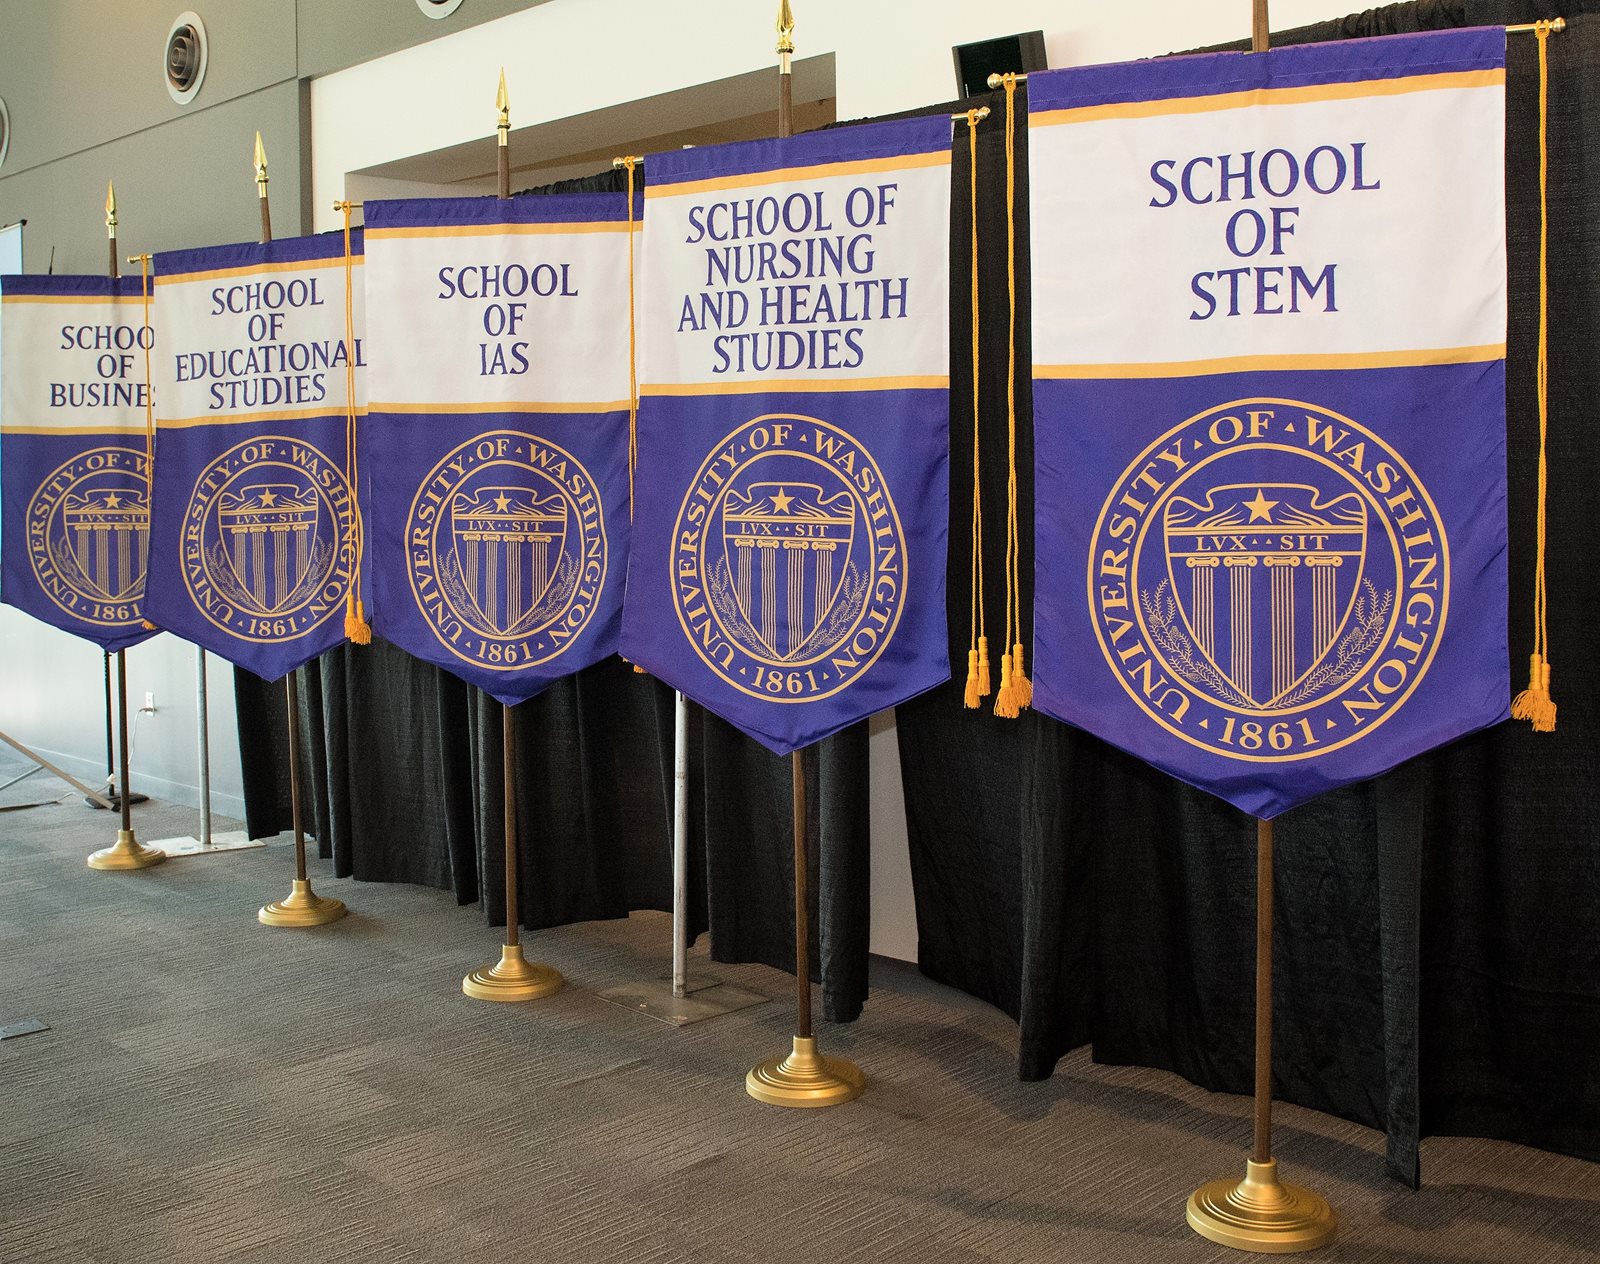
column 568, row 57
column 561, row 59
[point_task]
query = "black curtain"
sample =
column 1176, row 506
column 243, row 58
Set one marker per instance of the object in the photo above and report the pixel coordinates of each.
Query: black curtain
column 403, row 776
column 1436, row 965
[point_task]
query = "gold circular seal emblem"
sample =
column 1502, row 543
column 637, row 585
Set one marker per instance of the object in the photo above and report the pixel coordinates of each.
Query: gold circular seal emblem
column 506, row 550
column 267, row 552
column 1269, row 580
column 788, row 560
column 89, row 535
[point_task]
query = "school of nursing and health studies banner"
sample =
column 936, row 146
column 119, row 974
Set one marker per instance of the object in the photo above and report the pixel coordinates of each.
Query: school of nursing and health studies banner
column 251, row 534
column 1269, row 323
column 792, row 506
column 494, row 455
column 76, row 502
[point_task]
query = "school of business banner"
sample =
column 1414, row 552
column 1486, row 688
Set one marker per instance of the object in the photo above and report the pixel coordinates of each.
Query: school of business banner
column 792, row 498
column 494, row 456
column 251, row 533
column 72, row 428
column 1269, row 388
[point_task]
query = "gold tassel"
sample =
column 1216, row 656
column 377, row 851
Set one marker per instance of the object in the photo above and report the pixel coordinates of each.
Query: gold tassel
column 983, row 667
column 1020, row 683
column 148, row 627
column 1005, row 701
column 1534, row 703
column 637, row 670
column 970, row 698
column 356, row 627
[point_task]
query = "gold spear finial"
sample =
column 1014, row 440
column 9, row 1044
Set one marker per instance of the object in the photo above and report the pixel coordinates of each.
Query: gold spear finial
column 111, row 210
column 785, row 29
column 261, row 166
column 502, row 102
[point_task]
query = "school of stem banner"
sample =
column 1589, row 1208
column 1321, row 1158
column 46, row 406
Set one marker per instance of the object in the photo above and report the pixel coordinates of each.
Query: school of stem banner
column 1269, row 328
column 494, row 455
column 252, row 533
column 791, row 493
column 76, row 494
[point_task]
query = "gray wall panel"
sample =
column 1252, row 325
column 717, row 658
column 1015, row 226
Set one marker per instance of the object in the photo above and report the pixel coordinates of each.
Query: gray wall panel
column 78, row 73
column 185, row 184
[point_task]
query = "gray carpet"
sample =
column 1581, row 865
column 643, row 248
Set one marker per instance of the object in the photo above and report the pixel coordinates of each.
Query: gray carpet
column 212, row 1090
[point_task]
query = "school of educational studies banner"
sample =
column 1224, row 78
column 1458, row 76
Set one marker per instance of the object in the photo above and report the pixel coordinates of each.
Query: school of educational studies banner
column 792, row 498
column 494, row 455
column 76, row 525
column 1269, row 388
column 251, row 534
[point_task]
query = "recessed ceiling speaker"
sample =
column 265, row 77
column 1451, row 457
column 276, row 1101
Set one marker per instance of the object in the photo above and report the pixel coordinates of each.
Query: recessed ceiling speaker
column 438, row 8
column 1008, row 55
column 185, row 59
column 5, row 131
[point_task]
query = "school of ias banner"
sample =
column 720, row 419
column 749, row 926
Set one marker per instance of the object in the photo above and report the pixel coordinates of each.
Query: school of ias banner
column 792, row 499
column 494, row 455
column 1269, row 321
column 252, row 527
column 76, row 499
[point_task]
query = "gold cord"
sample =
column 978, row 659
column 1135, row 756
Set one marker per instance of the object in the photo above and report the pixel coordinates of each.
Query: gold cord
column 1535, row 703
column 356, row 627
column 978, row 685
column 149, row 415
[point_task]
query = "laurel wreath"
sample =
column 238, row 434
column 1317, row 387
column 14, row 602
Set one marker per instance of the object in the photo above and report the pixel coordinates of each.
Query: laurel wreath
column 1369, row 619
column 1166, row 630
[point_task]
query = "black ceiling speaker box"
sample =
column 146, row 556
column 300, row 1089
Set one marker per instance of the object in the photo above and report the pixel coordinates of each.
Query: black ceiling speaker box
column 1010, row 54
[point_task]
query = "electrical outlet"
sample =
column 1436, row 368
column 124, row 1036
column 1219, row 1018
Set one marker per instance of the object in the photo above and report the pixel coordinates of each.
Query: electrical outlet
column 150, row 703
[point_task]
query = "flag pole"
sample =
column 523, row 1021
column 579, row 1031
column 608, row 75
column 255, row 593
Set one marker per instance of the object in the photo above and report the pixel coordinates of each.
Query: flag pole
column 1262, row 1213
column 127, row 852
column 513, row 977
column 803, row 1077
column 302, row 906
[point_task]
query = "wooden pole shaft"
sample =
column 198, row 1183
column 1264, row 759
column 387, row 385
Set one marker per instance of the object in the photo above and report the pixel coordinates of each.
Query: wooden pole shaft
column 266, row 219
column 1260, row 40
column 122, row 737
column 802, row 899
column 508, row 743
column 1263, row 1110
column 291, row 692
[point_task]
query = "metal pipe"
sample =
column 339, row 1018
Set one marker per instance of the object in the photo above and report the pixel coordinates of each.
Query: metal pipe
column 202, row 721
column 680, row 847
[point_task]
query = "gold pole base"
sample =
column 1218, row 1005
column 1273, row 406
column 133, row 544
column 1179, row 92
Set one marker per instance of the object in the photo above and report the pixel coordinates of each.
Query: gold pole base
column 126, row 853
column 1261, row 1213
column 512, row 978
column 302, row 908
column 805, row 1078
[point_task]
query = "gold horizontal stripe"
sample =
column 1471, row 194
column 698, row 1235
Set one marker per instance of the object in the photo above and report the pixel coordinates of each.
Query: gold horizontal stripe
column 239, row 419
column 252, row 269
column 786, row 175
column 1271, row 96
column 800, row 385
column 603, row 406
column 132, row 428
column 501, row 230
column 1309, row 361
column 73, row 298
